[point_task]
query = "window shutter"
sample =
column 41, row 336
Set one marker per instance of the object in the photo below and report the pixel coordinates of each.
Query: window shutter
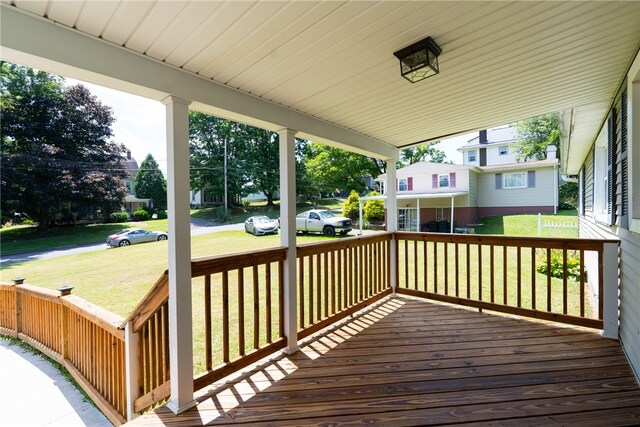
column 452, row 180
column 434, row 180
column 498, row 181
column 624, row 172
column 611, row 166
column 531, row 179
column 410, row 183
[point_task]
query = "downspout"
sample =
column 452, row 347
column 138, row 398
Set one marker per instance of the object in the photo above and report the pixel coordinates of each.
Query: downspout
column 452, row 207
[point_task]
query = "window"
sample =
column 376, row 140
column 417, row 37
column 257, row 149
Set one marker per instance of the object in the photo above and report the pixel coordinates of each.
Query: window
column 471, row 156
column 443, row 180
column 514, row 180
column 402, row 184
column 503, row 151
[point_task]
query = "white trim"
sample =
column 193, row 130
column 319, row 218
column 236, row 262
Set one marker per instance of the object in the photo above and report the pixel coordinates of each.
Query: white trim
column 416, row 196
column 610, row 291
column 504, row 181
column 392, row 217
column 132, row 371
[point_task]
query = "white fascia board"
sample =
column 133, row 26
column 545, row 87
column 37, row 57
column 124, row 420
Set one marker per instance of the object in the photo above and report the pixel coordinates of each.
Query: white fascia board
column 37, row 42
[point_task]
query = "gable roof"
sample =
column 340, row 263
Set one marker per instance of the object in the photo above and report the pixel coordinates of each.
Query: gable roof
column 501, row 135
column 428, row 168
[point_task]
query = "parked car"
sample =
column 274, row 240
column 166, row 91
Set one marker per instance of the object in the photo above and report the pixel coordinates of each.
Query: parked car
column 261, row 225
column 131, row 236
column 322, row 221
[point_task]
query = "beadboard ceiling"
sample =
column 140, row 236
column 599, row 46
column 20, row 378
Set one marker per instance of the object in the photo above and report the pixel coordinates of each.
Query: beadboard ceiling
column 333, row 60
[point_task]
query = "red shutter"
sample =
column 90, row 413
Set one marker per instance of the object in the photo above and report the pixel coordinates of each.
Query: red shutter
column 498, row 181
column 452, row 180
column 410, row 183
column 434, row 180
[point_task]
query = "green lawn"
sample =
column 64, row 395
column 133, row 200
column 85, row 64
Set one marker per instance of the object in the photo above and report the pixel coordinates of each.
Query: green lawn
column 523, row 225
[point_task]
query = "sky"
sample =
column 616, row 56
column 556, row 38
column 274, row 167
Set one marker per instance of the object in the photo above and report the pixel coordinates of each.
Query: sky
column 140, row 125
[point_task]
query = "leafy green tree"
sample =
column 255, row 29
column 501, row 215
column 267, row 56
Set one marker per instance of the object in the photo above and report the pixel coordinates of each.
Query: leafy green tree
column 536, row 134
column 333, row 169
column 261, row 160
column 56, row 147
column 425, row 152
column 373, row 210
column 150, row 183
column 351, row 207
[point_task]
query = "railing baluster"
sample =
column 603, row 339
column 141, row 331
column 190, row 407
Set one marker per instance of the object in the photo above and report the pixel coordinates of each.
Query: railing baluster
column 341, row 269
column 435, row 267
column 505, row 290
column 318, row 287
column 533, row 278
column 457, row 249
column 207, row 322
column 519, row 282
column 479, row 271
column 406, row 264
column 225, row 316
column 468, row 260
column 425, row 265
column 268, row 307
column 446, row 268
column 415, row 264
column 333, row 281
column 311, row 288
column 300, row 291
column 241, row 335
column 326, row 284
column 281, row 298
column 548, row 279
column 256, row 309
column 492, row 273
column 564, row 281
column 582, row 290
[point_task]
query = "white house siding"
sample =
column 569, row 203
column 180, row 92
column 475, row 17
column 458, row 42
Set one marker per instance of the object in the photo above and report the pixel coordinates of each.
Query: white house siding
column 473, row 189
column 541, row 195
column 494, row 157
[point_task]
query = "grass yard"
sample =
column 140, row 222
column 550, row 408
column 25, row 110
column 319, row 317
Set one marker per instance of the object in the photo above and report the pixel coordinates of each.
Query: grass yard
column 524, row 225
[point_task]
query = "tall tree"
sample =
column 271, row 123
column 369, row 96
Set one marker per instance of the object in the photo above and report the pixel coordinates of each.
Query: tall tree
column 536, row 134
column 261, row 158
column 150, row 183
column 425, row 152
column 56, row 146
column 336, row 169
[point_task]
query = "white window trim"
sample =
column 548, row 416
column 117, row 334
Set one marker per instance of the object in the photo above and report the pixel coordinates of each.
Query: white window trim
column 469, row 153
column 633, row 142
column 400, row 184
column 506, row 150
column 448, row 180
column 504, row 181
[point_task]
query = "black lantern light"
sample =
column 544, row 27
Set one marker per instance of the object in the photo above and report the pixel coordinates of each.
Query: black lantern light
column 420, row 60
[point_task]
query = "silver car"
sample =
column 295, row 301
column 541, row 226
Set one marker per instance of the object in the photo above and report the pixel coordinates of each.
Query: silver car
column 131, row 236
column 260, row 225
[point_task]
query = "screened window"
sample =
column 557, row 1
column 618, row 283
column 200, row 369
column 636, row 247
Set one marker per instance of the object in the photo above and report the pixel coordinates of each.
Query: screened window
column 514, row 180
column 443, row 180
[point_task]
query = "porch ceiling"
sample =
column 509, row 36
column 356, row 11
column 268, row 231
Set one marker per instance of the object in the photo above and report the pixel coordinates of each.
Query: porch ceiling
column 333, row 61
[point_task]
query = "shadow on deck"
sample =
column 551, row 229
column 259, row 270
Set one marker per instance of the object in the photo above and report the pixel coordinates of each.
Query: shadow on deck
column 411, row 362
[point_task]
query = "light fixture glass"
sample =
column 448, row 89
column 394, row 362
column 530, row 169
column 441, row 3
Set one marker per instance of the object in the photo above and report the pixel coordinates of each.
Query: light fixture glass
column 420, row 60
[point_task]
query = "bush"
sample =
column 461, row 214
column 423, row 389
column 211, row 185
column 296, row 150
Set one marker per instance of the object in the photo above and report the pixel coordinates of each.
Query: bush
column 161, row 215
column 573, row 265
column 566, row 206
column 121, row 216
column 351, row 208
column 373, row 210
column 246, row 203
column 141, row 215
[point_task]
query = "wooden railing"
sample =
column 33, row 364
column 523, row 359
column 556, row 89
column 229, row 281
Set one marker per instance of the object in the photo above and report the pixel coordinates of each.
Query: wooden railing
column 84, row 338
column 338, row 278
column 506, row 274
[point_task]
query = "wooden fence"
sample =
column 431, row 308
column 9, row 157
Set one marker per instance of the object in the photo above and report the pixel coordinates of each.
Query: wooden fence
column 508, row 274
column 84, row 338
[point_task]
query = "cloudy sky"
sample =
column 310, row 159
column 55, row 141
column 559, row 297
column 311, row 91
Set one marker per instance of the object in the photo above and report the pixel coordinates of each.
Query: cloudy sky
column 140, row 125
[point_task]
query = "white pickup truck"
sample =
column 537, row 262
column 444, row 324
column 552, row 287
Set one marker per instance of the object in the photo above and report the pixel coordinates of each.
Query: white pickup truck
column 322, row 221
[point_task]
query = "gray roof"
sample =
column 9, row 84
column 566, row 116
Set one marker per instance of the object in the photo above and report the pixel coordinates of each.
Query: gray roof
column 496, row 136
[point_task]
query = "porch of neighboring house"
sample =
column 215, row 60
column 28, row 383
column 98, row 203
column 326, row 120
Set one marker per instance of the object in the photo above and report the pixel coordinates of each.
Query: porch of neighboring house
column 406, row 361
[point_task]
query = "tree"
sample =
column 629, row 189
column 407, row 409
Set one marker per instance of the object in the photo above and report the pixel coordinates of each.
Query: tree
column 150, row 183
column 373, row 210
column 425, row 152
column 261, row 159
column 333, row 169
column 536, row 134
column 55, row 147
column 351, row 207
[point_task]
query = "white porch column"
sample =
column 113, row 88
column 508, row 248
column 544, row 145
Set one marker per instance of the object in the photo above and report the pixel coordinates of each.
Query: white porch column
column 288, row 234
column 180, row 321
column 132, row 373
column 418, row 215
column 610, row 290
column 452, row 207
column 392, row 219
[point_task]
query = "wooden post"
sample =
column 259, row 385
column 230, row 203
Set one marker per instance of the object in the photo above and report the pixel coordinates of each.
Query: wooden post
column 610, row 290
column 132, row 368
column 392, row 221
column 287, row 143
column 18, row 305
column 64, row 323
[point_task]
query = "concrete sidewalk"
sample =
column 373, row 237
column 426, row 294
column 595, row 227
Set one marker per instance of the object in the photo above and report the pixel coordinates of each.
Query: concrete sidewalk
column 34, row 393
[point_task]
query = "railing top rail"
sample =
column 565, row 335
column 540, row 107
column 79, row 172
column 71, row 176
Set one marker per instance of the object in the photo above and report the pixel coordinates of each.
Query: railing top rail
column 488, row 239
column 220, row 263
column 157, row 295
column 344, row 243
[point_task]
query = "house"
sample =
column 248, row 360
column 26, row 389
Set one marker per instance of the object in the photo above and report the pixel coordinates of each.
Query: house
column 326, row 72
column 490, row 182
column 131, row 202
column 608, row 170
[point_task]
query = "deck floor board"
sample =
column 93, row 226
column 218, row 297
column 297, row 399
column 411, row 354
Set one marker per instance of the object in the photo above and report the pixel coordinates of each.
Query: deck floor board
column 412, row 362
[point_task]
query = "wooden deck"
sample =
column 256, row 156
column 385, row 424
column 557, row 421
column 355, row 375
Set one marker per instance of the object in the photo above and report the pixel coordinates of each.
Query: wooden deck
column 409, row 362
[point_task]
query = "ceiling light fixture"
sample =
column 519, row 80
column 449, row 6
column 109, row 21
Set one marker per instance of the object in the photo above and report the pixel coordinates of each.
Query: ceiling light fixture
column 420, row 60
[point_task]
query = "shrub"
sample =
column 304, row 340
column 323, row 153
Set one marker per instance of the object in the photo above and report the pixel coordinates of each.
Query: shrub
column 141, row 215
column 373, row 210
column 351, row 208
column 246, row 203
column 161, row 215
column 121, row 216
column 566, row 206
column 573, row 265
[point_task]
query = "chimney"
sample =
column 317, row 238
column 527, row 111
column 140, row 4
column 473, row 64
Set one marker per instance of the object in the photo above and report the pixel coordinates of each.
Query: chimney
column 128, row 154
column 483, row 136
column 551, row 152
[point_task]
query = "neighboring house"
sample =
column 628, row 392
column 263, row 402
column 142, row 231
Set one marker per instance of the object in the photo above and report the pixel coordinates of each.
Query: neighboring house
column 131, row 202
column 207, row 197
column 609, row 198
column 501, row 186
